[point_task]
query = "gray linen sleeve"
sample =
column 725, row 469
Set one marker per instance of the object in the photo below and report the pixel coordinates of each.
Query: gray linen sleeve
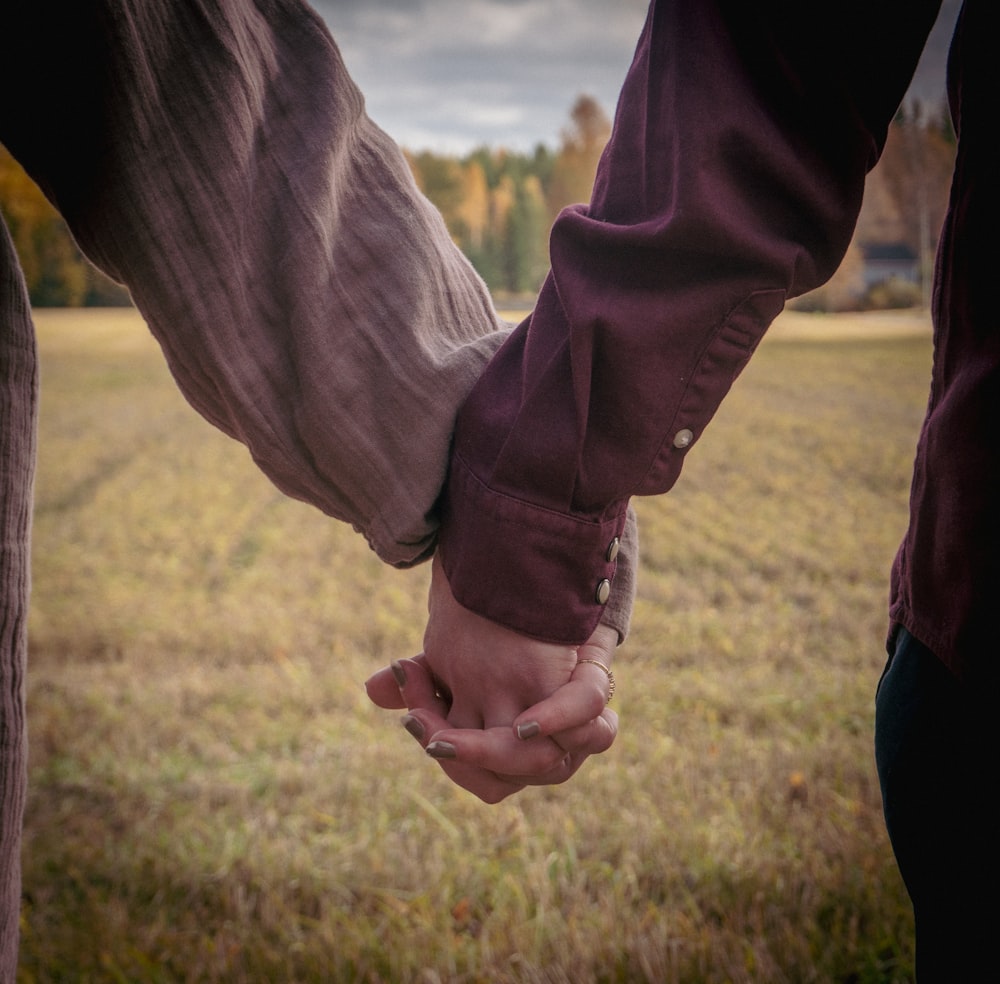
column 308, row 299
column 18, row 410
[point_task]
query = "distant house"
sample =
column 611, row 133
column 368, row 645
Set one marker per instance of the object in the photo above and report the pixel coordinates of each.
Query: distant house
column 889, row 261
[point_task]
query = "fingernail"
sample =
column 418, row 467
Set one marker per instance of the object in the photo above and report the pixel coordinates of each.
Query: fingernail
column 441, row 750
column 413, row 726
column 398, row 673
column 528, row 730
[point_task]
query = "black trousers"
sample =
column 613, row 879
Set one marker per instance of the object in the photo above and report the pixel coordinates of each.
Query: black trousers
column 936, row 748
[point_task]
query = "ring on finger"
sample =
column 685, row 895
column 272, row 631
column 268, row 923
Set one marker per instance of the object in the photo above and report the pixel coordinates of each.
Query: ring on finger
column 607, row 670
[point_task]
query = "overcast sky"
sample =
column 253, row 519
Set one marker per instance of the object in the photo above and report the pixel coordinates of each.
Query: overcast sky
column 451, row 75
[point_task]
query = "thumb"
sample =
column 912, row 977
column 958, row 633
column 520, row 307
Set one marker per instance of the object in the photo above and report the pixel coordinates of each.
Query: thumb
column 383, row 690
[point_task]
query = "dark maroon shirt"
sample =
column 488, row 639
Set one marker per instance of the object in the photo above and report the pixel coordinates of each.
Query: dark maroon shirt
column 732, row 182
column 946, row 579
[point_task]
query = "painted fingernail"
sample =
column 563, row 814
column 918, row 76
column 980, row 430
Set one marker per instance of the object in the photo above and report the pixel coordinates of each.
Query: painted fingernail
column 441, row 750
column 398, row 673
column 529, row 729
column 413, row 726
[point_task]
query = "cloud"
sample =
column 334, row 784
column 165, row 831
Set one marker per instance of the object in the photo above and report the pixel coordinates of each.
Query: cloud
column 450, row 75
column 453, row 74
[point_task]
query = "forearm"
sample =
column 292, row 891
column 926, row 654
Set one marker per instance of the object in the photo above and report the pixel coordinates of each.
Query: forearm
column 216, row 158
column 732, row 182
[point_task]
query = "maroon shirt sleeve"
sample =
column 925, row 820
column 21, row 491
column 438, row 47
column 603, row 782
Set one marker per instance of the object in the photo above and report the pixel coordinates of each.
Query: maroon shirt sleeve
column 732, row 182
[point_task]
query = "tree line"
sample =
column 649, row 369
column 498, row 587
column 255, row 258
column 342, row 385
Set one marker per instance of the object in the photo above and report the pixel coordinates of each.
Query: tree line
column 499, row 206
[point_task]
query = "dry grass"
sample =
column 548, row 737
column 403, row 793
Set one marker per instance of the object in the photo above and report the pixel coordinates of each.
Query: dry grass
column 212, row 798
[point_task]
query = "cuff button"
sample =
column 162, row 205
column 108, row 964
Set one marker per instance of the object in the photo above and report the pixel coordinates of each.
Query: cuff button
column 603, row 592
column 683, row 438
column 613, row 547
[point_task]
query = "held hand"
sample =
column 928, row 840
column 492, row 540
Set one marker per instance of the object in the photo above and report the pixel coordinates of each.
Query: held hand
column 498, row 710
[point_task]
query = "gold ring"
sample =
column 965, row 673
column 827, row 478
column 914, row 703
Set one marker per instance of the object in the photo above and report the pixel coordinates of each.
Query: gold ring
column 607, row 669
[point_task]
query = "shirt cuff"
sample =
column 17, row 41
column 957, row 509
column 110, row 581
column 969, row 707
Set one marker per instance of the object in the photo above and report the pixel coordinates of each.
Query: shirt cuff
column 618, row 612
column 542, row 573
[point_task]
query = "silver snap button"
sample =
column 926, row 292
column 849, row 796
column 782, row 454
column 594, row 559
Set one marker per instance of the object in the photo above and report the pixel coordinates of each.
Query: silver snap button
column 683, row 438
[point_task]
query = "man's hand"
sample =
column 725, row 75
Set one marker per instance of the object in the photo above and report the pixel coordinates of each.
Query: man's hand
column 498, row 710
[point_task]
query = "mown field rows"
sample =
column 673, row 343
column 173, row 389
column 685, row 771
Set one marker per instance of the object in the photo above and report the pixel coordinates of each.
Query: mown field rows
column 212, row 798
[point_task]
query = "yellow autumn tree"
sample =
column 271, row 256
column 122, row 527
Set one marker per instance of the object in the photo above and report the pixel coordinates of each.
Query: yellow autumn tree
column 474, row 209
column 582, row 143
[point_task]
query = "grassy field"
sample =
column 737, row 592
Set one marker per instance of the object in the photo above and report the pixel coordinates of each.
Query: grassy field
column 212, row 798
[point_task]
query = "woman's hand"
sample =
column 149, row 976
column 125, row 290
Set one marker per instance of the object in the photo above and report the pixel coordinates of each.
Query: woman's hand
column 498, row 710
